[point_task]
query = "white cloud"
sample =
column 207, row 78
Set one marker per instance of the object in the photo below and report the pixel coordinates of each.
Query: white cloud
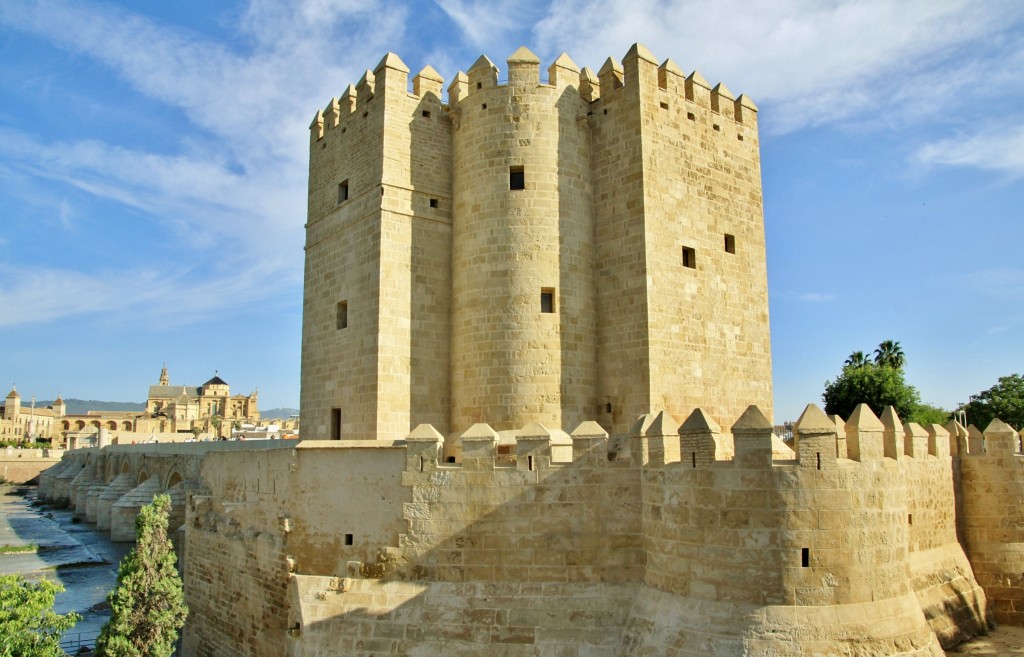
column 1000, row 149
column 1002, row 284
column 485, row 22
column 814, row 62
column 234, row 182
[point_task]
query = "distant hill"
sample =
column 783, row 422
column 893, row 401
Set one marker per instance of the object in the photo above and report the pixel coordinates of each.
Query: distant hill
column 83, row 406
column 278, row 413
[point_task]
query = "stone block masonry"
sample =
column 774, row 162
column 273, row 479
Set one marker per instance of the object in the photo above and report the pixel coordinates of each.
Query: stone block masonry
column 591, row 247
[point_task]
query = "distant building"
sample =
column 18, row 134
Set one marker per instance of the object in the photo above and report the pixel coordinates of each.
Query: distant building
column 207, row 409
column 20, row 424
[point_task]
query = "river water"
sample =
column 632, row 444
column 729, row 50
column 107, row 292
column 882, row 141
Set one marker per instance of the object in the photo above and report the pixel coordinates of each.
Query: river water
column 83, row 561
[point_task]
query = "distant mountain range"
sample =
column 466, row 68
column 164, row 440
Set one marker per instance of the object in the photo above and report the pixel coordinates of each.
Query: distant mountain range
column 278, row 413
column 83, row 406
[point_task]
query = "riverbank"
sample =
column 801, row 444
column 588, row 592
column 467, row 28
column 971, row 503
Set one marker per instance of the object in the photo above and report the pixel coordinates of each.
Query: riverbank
column 67, row 551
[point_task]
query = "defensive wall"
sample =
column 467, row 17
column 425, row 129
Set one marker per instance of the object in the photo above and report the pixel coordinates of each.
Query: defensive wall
column 22, row 466
column 659, row 547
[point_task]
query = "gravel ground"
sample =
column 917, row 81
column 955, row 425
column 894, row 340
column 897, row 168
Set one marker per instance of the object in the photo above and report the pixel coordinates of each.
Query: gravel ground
column 1004, row 640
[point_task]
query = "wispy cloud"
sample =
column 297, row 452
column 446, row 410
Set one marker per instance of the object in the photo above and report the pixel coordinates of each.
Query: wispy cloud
column 814, row 62
column 996, row 149
column 485, row 22
column 1003, row 284
column 816, row 297
column 233, row 184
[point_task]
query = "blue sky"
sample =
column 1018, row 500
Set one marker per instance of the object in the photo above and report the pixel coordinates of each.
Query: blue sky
column 153, row 162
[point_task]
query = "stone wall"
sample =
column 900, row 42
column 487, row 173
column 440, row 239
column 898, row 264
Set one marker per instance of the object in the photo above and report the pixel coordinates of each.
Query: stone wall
column 993, row 502
column 312, row 509
column 665, row 550
column 21, row 466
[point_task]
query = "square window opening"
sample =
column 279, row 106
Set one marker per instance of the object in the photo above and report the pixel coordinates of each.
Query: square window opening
column 689, row 257
column 426, row 114
column 484, row 106
column 664, row 105
column 717, row 127
column 479, row 85
column 516, row 178
column 739, row 137
column 433, row 202
column 341, row 315
column 691, row 116
column 547, row 300
column 730, row 243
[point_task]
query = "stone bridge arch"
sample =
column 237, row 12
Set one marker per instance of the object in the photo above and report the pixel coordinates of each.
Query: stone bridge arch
column 173, row 477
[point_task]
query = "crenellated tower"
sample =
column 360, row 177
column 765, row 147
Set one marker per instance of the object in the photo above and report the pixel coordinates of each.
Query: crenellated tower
column 589, row 246
column 375, row 337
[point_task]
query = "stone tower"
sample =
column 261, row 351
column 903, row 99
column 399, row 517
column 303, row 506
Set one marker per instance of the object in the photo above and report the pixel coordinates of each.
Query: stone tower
column 587, row 248
column 12, row 404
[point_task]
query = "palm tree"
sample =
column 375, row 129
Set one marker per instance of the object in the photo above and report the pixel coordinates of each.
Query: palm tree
column 857, row 359
column 890, row 354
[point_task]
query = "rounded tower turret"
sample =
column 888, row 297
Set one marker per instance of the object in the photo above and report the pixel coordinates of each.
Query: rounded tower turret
column 523, row 345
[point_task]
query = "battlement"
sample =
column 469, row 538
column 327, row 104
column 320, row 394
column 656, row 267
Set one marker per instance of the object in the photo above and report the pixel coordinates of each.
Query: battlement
column 390, row 76
column 659, row 440
column 638, row 75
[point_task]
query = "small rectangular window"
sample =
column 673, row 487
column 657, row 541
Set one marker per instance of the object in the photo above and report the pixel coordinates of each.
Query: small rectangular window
column 717, row 127
column 349, row 539
column 730, row 243
column 805, row 557
column 691, row 116
column 547, row 300
column 335, row 424
column 689, row 257
column 342, row 315
column 664, row 106
column 516, row 178
column 343, row 191
column 433, row 202
column 426, row 114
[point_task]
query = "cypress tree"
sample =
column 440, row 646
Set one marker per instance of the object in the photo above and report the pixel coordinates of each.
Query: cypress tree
column 148, row 605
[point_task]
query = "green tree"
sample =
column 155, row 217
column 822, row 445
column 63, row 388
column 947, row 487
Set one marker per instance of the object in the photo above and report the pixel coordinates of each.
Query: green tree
column 148, row 605
column 925, row 414
column 877, row 386
column 857, row 359
column 890, row 354
column 28, row 624
column 1004, row 400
